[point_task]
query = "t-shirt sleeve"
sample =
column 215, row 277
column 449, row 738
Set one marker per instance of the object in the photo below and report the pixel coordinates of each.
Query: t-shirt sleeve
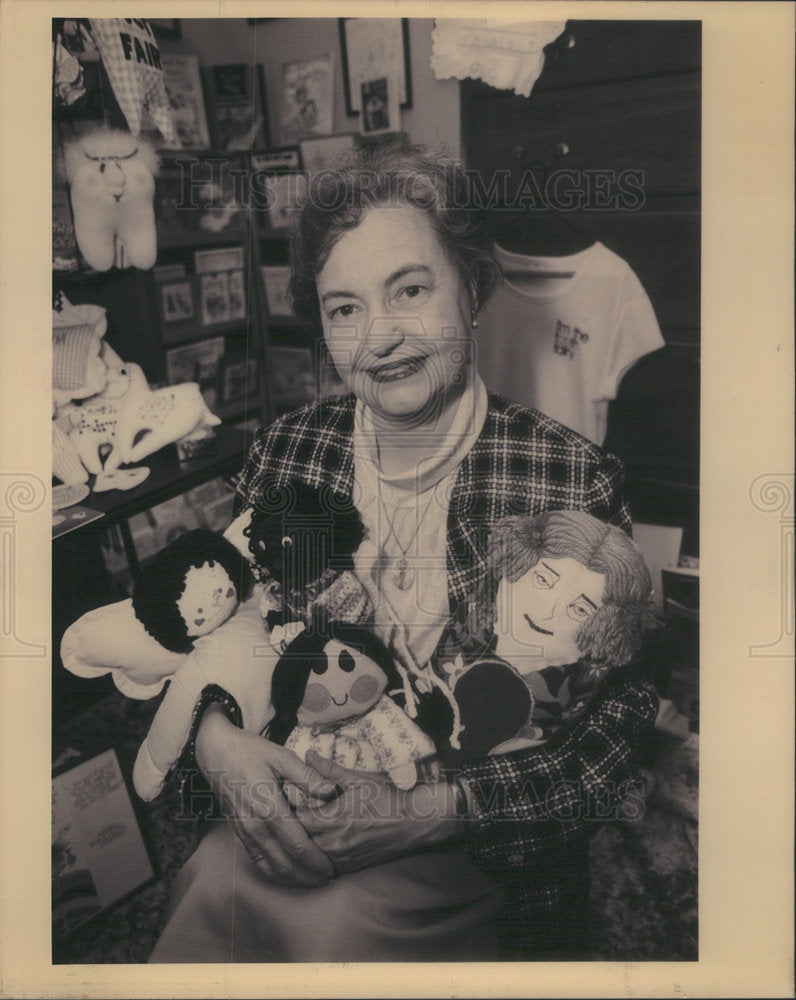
column 636, row 333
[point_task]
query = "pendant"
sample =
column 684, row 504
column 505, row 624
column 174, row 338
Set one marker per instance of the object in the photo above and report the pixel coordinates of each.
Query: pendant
column 405, row 575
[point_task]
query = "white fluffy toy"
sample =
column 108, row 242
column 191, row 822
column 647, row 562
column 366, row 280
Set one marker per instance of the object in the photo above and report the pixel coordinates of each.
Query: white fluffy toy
column 111, row 176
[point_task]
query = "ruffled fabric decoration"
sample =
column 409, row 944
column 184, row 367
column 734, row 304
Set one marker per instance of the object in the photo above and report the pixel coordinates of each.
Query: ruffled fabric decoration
column 508, row 55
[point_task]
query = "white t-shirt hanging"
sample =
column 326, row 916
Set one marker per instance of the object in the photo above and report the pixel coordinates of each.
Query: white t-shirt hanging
column 560, row 332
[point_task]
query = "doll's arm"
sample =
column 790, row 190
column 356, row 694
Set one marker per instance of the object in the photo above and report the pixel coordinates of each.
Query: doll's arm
column 236, row 658
column 169, row 730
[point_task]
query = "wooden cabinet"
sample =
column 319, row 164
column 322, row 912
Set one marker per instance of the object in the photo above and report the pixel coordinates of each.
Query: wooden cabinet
column 607, row 148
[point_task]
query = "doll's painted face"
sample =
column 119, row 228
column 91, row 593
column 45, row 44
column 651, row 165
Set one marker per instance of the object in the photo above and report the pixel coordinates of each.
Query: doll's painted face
column 209, row 598
column 343, row 684
column 539, row 615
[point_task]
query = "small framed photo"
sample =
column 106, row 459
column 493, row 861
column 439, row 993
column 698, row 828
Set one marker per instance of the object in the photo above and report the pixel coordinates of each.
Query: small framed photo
column 183, row 83
column 236, row 106
column 321, row 154
column 379, row 109
column 214, row 298
column 223, row 259
column 292, row 377
column 176, row 299
column 237, row 379
column 98, row 852
column 373, row 48
column 276, row 279
column 306, row 106
column 198, row 362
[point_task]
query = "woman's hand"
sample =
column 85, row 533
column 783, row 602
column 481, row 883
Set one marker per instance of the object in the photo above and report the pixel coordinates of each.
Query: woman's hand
column 372, row 821
column 247, row 773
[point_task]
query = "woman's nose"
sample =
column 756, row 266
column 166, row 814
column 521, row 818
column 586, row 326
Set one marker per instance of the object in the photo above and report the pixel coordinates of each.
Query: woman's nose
column 384, row 338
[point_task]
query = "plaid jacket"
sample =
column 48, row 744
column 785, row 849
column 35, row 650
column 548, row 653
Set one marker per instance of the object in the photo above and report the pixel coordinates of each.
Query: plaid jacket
column 535, row 806
column 522, row 463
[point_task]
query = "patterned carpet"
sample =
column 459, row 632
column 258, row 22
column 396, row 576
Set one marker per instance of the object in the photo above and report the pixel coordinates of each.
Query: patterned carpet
column 644, row 874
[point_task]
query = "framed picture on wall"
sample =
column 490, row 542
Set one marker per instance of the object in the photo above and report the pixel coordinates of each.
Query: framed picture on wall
column 197, row 362
column 236, row 106
column 378, row 102
column 373, row 48
column 183, row 83
column 176, row 301
column 306, row 103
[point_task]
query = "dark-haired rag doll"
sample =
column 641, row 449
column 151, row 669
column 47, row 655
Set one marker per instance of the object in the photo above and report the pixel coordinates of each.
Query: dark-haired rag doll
column 209, row 646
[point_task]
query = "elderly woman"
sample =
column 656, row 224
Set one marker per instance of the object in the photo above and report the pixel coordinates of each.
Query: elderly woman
column 389, row 258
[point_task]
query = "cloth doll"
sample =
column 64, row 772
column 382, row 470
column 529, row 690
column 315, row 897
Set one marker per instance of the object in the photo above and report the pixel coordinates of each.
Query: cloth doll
column 184, row 624
column 328, row 692
column 111, row 177
column 566, row 602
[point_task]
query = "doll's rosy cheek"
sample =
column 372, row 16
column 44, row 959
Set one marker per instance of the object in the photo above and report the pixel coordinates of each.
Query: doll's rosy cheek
column 364, row 689
column 316, row 698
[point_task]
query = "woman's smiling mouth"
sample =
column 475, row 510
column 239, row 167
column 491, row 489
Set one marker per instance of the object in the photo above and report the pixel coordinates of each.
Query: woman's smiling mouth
column 393, row 371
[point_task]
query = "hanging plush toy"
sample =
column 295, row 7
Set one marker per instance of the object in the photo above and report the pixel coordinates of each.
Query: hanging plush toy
column 111, row 177
column 567, row 602
column 328, row 692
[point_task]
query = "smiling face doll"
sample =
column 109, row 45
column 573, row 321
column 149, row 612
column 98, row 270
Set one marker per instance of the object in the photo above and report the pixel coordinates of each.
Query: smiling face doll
column 328, row 693
column 190, row 588
column 572, row 603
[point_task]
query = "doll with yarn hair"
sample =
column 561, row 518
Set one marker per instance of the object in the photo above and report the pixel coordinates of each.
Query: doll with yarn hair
column 566, row 601
column 330, row 693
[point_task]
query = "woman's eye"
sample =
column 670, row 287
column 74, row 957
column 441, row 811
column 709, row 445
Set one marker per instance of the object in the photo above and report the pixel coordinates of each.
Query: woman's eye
column 542, row 580
column 341, row 312
column 411, row 291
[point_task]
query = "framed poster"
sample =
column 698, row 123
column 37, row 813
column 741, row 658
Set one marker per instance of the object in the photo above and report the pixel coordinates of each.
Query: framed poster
column 236, row 106
column 372, row 48
column 283, row 194
column 98, row 853
column 306, row 103
column 176, row 301
column 197, row 362
column 183, row 84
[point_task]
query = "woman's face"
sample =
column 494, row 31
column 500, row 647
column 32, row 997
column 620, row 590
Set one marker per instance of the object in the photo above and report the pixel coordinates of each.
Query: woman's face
column 395, row 316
